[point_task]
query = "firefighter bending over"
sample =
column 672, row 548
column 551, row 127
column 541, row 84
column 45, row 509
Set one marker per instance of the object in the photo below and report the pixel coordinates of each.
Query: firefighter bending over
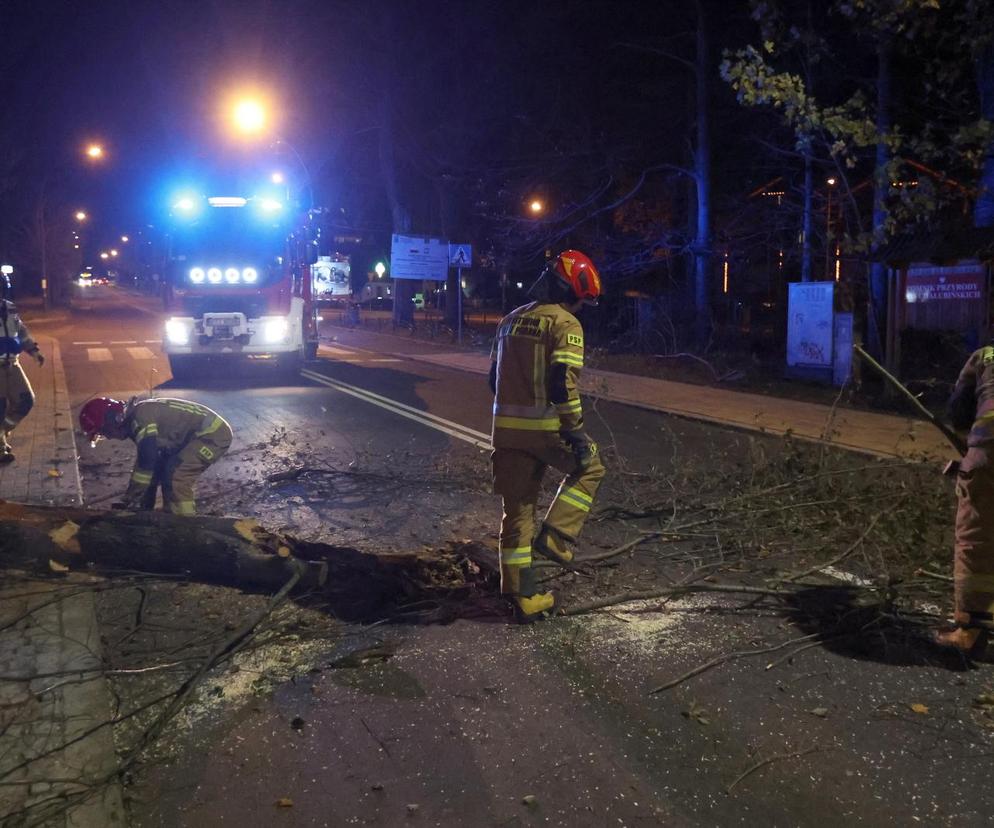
column 972, row 407
column 538, row 422
column 16, row 397
column 177, row 441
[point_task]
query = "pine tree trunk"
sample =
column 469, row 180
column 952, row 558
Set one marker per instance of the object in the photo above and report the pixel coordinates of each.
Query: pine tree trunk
column 702, row 178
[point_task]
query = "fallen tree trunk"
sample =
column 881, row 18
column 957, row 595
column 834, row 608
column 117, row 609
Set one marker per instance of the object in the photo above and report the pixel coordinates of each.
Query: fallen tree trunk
column 238, row 553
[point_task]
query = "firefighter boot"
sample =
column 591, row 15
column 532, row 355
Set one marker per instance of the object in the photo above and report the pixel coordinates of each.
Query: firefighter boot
column 518, row 583
column 552, row 545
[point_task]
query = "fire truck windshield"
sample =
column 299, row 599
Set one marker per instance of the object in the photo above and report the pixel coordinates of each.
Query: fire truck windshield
column 229, row 241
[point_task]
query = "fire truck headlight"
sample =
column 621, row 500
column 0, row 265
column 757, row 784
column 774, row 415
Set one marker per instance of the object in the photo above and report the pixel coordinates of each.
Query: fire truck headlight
column 249, row 275
column 275, row 330
column 231, row 275
column 177, row 332
column 214, row 275
column 197, row 275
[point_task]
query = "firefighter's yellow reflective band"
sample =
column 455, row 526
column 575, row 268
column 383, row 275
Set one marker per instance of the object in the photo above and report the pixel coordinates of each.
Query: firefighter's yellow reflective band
column 517, row 556
column 567, row 358
column 576, row 498
column 144, row 478
column 526, row 424
column 214, row 426
column 570, row 407
column 149, row 431
column 538, row 375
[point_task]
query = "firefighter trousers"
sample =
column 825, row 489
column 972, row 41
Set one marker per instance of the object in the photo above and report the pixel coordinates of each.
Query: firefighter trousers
column 518, row 474
column 973, row 567
column 16, row 396
column 177, row 473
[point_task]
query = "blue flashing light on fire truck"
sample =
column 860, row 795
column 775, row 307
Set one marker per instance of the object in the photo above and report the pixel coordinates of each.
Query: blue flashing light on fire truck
column 239, row 285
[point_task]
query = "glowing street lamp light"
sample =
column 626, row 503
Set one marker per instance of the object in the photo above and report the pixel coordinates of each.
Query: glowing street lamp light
column 95, row 152
column 80, row 215
column 536, row 206
column 249, row 116
column 125, row 239
column 380, row 269
column 113, row 252
column 105, row 255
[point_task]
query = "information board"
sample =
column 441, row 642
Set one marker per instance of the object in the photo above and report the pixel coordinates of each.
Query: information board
column 414, row 257
column 809, row 324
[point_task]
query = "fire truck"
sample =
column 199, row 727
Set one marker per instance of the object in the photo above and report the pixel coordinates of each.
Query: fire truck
column 239, row 285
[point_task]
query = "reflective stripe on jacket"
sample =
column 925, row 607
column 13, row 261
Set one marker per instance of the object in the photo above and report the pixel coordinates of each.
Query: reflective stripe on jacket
column 165, row 426
column 538, row 351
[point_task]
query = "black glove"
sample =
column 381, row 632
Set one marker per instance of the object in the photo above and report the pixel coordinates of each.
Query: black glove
column 582, row 446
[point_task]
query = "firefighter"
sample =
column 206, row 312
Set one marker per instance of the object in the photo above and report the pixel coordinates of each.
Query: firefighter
column 177, row 441
column 16, row 397
column 538, row 423
column 971, row 406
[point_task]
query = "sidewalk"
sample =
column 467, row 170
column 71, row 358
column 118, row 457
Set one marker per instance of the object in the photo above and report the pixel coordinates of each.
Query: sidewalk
column 52, row 693
column 867, row 432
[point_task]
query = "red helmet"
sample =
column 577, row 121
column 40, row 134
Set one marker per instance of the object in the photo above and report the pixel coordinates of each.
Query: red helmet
column 575, row 270
column 95, row 414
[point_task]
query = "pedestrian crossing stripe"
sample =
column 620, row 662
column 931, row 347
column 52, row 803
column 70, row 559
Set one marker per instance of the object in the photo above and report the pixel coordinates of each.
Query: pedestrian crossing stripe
column 99, row 354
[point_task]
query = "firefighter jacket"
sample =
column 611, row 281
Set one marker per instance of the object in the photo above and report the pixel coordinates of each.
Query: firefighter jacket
column 972, row 403
column 162, row 427
column 537, row 357
column 14, row 336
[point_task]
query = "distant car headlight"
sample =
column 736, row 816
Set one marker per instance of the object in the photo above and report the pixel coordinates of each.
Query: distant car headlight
column 275, row 330
column 214, row 275
column 177, row 332
column 249, row 275
column 197, row 275
column 231, row 275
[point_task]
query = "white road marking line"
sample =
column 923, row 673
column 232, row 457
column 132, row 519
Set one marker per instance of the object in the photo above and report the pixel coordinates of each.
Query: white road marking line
column 99, row 354
column 141, row 352
column 123, row 342
column 98, row 342
column 469, row 435
column 153, row 341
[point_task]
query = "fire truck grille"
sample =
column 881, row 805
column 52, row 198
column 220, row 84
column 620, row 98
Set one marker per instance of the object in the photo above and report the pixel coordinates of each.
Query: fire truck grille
column 252, row 306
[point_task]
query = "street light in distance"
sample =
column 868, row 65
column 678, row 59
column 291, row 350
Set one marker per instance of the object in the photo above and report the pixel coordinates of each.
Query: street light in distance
column 125, row 239
column 81, row 215
column 105, row 255
column 113, row 252
column 536, row 207
column 95, row 152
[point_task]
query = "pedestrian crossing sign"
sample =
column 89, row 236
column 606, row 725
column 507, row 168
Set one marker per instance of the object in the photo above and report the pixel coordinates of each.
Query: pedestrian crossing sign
column 460, row 255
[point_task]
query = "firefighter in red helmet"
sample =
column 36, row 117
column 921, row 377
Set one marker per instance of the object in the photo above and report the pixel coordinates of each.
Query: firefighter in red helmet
column 538, row 423
column 177, row 441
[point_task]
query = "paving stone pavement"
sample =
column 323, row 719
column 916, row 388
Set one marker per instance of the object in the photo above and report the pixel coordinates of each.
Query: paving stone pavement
column 56, row 749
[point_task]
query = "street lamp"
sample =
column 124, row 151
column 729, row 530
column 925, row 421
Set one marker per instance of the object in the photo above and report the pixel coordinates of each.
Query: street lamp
column 113, row 252
column 125, row 239
column 80, row 215
column 249, row 116
column 536, row 206
column 95, row 152
column 380, row 269
column 105, row 255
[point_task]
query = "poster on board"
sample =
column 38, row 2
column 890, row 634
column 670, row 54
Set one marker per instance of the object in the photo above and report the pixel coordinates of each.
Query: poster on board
column 809, row 324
